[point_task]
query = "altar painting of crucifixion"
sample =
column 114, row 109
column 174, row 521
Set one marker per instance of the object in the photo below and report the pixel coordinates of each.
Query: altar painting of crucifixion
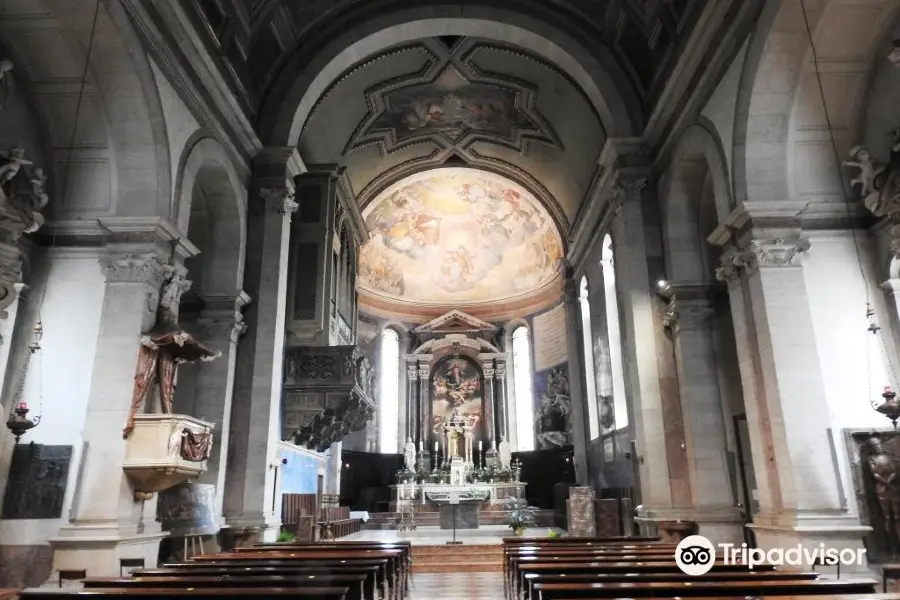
column 456, row 385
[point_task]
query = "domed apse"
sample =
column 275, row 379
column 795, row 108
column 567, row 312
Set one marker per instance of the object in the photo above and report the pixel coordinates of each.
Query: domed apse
column 458, row 238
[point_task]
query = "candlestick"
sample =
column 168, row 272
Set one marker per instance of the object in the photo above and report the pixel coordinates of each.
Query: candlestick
column 435, row 446
column 479, row 446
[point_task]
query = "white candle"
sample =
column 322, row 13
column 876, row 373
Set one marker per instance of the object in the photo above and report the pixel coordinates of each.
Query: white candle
column 435, row 446
column 479, row 445
column 421, row 447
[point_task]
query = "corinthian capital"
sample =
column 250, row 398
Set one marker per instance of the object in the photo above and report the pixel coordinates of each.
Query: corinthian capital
column 133, row 268
column 779, row 252
column 280, row 199
column 732, row 264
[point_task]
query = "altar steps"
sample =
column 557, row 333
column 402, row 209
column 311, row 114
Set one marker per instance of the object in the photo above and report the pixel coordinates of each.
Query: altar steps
column 466, row 558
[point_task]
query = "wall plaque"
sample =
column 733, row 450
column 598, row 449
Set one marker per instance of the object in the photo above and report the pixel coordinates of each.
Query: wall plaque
column 550, row 339
column 37, row 482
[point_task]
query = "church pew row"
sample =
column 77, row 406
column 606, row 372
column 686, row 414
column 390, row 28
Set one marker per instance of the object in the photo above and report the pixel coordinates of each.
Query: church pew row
column 623, row 539
column 404, row 546
column 271, row 593
column 376, row 571
column 693, row 589
column 394, row 557
column 373, row 574
column 355, row 583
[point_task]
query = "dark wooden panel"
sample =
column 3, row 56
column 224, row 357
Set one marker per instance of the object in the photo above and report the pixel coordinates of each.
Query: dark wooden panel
column 37, row 482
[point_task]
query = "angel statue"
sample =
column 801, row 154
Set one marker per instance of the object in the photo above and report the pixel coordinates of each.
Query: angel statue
column 869, row 169
column 13, row 161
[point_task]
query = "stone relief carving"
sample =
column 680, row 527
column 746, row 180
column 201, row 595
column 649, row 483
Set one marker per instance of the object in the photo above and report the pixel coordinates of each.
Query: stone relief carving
column 879, row 183
column 776, row 252
column 875, row 464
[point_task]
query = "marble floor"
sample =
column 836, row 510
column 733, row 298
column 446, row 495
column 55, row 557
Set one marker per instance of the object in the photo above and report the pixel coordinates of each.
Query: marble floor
column 427, row 536
column 456, row 586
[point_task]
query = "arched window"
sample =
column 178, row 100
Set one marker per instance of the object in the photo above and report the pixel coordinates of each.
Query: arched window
column 587, row 339
column 620, row 404
column 522, row 388
column 389, row 397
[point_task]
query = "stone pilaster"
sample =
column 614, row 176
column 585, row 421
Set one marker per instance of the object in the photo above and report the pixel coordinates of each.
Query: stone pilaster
column 639, row 332
column 691, row 319
column 490, row 420
column 106, row 522
column 413, row 410
column 501, row 401
column 784, row 394
column 424, row 403
column 580, row 436
column 249, row 486
column 221, row 325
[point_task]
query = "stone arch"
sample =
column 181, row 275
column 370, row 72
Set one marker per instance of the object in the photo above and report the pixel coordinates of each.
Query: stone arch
column 695, row 199
column 211, row 211
column 782, row 146
column 119, row 165
column 305, row 79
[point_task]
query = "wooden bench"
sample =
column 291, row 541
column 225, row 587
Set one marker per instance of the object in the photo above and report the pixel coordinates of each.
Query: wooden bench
column 669, row 589
column 373, row 573
column 354, row 582
column 335, row 522
column 314, row 593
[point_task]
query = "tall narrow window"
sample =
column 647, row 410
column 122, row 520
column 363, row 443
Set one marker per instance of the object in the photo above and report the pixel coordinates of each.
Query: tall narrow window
column 620, row 404
column 389, row 398
column 522, row 382
column 587, row 339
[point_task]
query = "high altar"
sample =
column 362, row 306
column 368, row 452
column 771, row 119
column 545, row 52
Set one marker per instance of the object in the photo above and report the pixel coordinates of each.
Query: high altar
column 456, row 407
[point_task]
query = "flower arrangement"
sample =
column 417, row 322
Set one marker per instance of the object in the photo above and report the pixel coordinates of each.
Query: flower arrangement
column 519, row 515
column 286, row 537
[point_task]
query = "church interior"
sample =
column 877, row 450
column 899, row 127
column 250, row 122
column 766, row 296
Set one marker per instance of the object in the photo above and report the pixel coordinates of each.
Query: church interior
column 490, row 299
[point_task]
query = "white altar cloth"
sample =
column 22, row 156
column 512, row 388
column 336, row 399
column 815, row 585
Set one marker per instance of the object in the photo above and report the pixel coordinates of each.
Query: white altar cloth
column 360, row 514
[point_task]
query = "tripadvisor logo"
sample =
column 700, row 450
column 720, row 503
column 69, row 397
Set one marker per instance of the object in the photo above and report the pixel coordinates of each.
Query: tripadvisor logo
column 695, row 555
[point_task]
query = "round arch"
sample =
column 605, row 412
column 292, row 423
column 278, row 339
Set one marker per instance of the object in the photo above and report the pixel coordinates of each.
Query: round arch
column 594, row 70
column 207, row 175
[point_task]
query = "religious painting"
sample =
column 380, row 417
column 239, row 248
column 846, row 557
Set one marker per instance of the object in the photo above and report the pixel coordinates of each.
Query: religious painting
column 37, row 481
column 453, row 107
column 457, row 235
column 455, row 388
column 553, row 422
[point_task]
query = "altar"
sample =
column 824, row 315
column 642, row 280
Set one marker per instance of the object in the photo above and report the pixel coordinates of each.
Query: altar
column 476, row 501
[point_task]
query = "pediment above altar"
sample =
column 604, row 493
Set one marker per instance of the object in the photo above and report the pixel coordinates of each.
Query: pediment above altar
column 456, row 321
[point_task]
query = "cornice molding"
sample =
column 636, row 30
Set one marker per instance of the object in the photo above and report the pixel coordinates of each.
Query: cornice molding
column 123, row 232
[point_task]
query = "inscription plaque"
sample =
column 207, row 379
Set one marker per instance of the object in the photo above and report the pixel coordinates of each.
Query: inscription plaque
column 37, row 482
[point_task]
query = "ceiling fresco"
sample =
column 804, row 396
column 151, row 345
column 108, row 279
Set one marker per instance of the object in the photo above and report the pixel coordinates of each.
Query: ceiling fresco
column 457, row 235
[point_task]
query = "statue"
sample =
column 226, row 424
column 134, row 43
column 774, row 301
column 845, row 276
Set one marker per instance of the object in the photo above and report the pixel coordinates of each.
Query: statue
column 409, row 455
column 869, row 169
column 505, row 453
column 881, row 466
column 879, row 183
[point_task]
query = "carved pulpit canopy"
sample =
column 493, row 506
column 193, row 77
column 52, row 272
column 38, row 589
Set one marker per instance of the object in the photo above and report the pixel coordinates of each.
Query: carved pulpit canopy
column 328, row 393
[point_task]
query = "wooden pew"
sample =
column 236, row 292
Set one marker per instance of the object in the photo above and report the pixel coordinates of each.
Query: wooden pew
column 531, row 579
column 516, row 541
column 669, row 589
column 335, row 522
column 354, row 582
column 404, row 546
column 373, row 573
column 320, row 593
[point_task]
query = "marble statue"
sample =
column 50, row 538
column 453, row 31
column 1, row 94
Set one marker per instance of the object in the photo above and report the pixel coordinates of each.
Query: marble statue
column 6, row 66
column 505, row 453
column 869, row 169
column 883, row 470
column 409, row 455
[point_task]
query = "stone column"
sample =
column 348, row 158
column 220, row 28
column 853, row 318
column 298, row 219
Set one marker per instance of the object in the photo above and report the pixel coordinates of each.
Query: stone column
column 501, row 399
column 639, row 331
column 412, row 422
column 578, row 419
column 255, row 418
column 784, row 394
column 8, row 318
column 490, row 417
column 220, row 325
column 424, row 402
column 333, row 473
column 691, row 321
column 106, row 522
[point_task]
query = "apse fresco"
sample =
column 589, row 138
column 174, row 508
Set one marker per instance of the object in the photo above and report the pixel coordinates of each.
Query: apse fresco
column 457, row 235
column 456, row 387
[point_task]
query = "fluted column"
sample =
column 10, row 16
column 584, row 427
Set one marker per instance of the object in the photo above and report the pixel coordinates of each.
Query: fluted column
column 412, row 422
column 255, row 433
column 424, row 402
column 501, row 399
column 490, row 419
column 221, row 325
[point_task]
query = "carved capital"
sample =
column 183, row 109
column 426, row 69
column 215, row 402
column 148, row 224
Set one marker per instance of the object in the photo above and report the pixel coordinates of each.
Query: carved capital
column 627, row 189
column 411, row 371
column 280, row 199
column 500, row 372
column 133, row 268
column 488, row 369
column 779, row 252
column 424, row 373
